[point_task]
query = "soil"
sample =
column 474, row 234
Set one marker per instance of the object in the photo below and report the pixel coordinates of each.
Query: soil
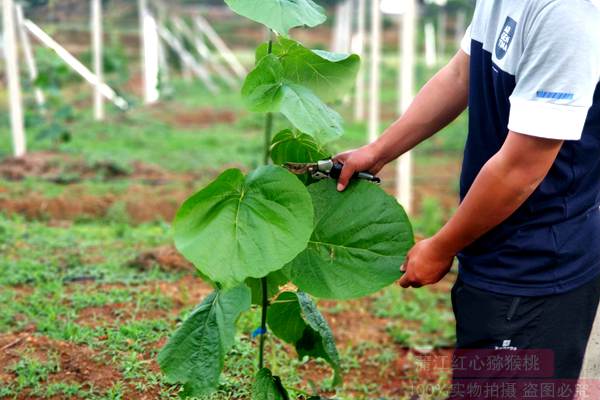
column 77, row 363
column 65, row 169
column 167, row 258
column 200, row 118
column 140, row 204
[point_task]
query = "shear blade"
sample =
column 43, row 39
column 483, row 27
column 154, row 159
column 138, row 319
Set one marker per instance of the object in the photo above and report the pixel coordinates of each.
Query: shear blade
column 297, row 168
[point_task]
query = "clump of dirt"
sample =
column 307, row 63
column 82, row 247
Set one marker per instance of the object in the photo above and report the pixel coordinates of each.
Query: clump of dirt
column 65, row 169
column 202, row 118
column 138, row 204
column 166, row 258
column 35, row 206
column 76, row 363
column 187, row 291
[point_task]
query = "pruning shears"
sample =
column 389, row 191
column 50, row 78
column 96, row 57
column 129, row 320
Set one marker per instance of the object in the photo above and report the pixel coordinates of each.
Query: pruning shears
column 327, row 169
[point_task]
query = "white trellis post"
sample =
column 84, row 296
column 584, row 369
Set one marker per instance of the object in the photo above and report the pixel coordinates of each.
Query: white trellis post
column 407, row 79
column 430, row 45
column 337, row 27
column 359, row 48
column 347, row 27
column 97, row 33
column 459, row 27
column 29, row 59
column 75, row 64
column 442, row 29
column 375, row 73
column 203, row 25
column 12, row 76
column 149, row 53
column 188, row 60
column 203, row 51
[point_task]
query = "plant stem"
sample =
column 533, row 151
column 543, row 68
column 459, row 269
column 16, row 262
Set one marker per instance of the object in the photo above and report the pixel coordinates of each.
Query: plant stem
column 263, row 281
column 263, row 322
column 269, row 118
column 268, row 130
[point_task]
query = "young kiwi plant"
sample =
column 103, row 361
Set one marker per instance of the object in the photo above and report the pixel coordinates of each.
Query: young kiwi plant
column 252, row 235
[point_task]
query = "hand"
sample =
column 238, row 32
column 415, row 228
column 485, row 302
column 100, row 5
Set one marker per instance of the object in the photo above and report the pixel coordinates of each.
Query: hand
column 425, row 264
column 365, row 158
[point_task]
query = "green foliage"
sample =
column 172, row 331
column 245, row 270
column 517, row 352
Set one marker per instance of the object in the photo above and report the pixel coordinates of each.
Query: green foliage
column 280, row 15
column 260, row 229
column 329, row 75
column 360, row 239
column 195, row 354
column 431, row 218
column 240, row 227
column 267, row 90
column 294, row 318
column 268, row 387
column 293, row 146
column 309, row 114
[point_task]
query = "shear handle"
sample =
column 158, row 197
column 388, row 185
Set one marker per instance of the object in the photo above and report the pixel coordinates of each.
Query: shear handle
column 336, row 170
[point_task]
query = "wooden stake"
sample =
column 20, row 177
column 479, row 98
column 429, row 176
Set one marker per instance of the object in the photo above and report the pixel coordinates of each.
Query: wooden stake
column 12, row 76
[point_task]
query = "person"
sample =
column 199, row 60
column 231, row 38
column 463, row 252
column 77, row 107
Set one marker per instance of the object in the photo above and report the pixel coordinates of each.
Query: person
column 527, row 231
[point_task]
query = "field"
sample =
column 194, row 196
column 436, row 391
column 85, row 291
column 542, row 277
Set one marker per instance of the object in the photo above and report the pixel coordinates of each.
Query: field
column 91, row 285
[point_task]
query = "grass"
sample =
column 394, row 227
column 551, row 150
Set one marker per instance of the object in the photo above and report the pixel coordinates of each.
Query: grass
column 53, row 275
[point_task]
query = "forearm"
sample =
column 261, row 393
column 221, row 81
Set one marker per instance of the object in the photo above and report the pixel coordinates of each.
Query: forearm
column 438, row 103
column 504, row 183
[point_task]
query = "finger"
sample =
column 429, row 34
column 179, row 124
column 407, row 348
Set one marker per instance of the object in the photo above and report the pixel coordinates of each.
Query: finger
column 342, row 157
column 345, row 176
column 405, row 281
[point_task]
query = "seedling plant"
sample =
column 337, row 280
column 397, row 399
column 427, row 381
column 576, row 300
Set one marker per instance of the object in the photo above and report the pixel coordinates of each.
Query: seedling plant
column 274, row 239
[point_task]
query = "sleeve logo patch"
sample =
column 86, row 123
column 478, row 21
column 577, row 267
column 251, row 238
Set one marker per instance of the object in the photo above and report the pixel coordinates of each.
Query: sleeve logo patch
column 506, row 36
column 542, row 94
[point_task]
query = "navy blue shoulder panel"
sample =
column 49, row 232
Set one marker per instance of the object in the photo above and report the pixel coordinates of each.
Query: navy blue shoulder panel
column 551, row 244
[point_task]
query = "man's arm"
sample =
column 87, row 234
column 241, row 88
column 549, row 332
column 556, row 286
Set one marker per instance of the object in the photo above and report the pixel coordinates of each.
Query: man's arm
column 501, row 187
column 438, row 103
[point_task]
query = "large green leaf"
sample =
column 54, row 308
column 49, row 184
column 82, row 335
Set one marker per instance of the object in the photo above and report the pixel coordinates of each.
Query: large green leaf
column 280, row 15
column 309, row 114
column 262, row 88
column 266, row 90
column 240, row 227
column 195, row 353
column 329, row 75
column 294, row 146
column 294, row 318
column 360, row 240
column 268, row 387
